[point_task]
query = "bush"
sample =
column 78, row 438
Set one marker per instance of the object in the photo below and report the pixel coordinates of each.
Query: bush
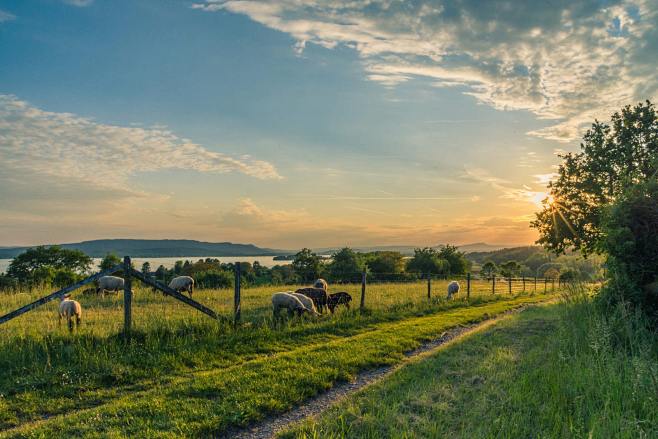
column 214, row 279
column 631, row 230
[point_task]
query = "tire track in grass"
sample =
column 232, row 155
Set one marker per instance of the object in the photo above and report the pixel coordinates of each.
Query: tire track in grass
column 318, row 404
column 211, row 403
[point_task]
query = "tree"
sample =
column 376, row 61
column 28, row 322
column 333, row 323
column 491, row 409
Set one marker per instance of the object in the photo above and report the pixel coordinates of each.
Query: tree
column 458, row 262
column 386, row 265
column 178, row 266
column 39, row 264
column 109, row 261
column 488, row 269
column 306, row 265
column 427, row 261
column 146, row 267
column 613, row 157
column 345, row 265
column 510, row 269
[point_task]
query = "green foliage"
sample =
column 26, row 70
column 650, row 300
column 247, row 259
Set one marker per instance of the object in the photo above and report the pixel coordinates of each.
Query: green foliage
column 307, row 265
column 63, row 278
column 614, row 156
column 456, row 259
column 39, row 265
column 214, row 278
column 510, row 269
column 109, row 260
column 345, row 266
column 631, row 242
column 570, row 275
column 488, row 269
column 146, row 267
column 427, row 261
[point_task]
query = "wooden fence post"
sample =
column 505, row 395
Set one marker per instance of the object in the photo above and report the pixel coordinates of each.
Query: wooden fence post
column 545, row 283
column 363, row 289
column 535, row 284
column 429, row 286
column 523, row 283
column 509, row 284
column 127, row 296
column 236, row 295
column 553, row 286
column 493, row 284
column 468, row 285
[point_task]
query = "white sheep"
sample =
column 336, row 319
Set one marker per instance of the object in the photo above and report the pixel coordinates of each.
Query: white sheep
column 182, row 283
column 68, row 309
column 453, row 288
column 307, row 302
column 287, row 301
column 321, row 283
column 109, row 283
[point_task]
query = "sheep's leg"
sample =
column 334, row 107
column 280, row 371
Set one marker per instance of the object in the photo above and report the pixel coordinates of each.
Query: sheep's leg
column 78, row 320
column 347, row 305
column 70, row 324
column 59, row 323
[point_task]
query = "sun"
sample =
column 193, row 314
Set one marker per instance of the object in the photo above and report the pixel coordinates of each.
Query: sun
column 550, row 200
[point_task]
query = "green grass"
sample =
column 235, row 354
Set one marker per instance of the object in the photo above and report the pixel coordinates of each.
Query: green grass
column 184, row 375
column 552, row 371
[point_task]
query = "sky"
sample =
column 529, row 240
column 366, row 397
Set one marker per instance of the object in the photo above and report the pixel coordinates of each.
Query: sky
column 294, row 124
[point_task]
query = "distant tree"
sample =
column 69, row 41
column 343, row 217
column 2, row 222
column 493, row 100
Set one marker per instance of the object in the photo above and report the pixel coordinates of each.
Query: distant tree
column 386, row 264
column 214, row 279
column 488, row 269
column 178, row 267
column 146, row 267
column 510, row 269
column 612, row 158
column 569, row 275
column 306, row 265
column 161, row 274
column 40, row 264
column 63, row 278
column 457, row 260
column 552, row 273
column 345, row 265
column 427, row 261
column 110, row 260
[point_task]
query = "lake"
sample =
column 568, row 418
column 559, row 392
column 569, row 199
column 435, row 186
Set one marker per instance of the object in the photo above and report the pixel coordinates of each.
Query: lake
column 267, row 261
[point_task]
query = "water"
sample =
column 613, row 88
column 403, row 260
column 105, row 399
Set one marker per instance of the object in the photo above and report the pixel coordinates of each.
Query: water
column 267, row 261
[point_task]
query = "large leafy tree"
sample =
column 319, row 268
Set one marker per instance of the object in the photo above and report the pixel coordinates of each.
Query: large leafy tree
column 345, row 265
column 41, row 264
column 457, row 260
column 306, row 265
column 427, row 261
column 613, row 156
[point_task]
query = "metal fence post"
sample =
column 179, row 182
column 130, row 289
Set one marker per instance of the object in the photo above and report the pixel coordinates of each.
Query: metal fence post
column 363, row 289
column 236, row 295
column 127, row 296
column 468, row 285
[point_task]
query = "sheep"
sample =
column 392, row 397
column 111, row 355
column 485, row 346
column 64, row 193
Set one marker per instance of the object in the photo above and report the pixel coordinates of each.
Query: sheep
column 336, row 299
column 318, row 295
column 182, row 283
column 109, row 283
column 288, row 301
column 307, row 302
column 453, row 288
column 68, row 309
column 321, row 283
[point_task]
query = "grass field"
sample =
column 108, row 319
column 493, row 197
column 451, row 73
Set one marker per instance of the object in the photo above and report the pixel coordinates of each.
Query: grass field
column 185, row 374
column 551, row 371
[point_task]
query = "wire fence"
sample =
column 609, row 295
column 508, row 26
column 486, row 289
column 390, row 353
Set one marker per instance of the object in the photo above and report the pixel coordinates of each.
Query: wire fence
column 376, row 292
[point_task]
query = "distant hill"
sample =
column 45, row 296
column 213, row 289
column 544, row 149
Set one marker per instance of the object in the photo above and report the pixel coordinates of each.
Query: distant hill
column 507, row 254
column 409, row 249
column 156, row 248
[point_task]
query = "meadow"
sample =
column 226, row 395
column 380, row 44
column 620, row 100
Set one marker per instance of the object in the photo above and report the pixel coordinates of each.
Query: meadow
column 183, row 373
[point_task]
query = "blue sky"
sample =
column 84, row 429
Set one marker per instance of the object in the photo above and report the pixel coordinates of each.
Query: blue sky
column 295, row 124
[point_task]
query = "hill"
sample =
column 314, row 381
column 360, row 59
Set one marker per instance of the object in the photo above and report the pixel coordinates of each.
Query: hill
column 155, row 248
column 408, row 250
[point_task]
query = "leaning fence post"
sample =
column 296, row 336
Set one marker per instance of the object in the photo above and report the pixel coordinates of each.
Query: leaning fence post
column 127, row 296
column 236, row 295
column 363, row 289
column 468, row 285
column 429, row 286
column 493, row 284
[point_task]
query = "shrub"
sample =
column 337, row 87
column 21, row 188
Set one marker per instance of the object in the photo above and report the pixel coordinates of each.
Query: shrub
column 214, row 279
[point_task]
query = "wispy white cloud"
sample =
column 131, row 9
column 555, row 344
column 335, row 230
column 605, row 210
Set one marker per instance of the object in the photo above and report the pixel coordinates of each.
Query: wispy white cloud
column 65, row 146
column 562, row 60
column 6, row 16
column 78, row 3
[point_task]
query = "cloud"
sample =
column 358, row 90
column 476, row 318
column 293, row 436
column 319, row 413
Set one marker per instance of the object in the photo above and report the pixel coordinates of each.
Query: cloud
column 6, row 16
column 67, row 147
column 565, row 61
column 78, row 3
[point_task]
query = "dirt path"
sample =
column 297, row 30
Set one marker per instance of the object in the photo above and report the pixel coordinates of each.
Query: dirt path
column 316, row 405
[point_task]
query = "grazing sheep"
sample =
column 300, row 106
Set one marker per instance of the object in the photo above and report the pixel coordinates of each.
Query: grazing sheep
column 453, row 288
column 307, row 302
column 288, row 301
column 109, row 283
column 318, row 295
column 336, row 299
column 321, row 283
column 68, row 309
column 182, row 283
